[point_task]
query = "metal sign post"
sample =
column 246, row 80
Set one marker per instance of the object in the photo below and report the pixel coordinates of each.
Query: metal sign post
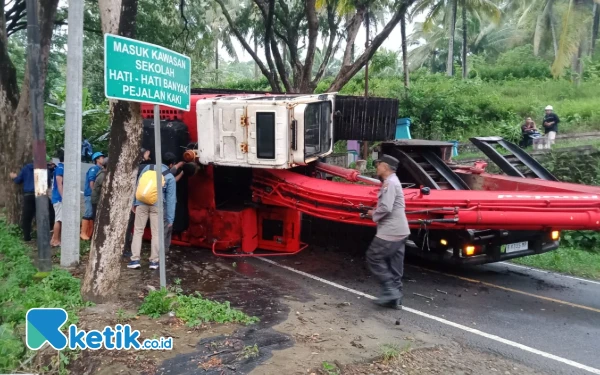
column 159, row 196
column 142, row 72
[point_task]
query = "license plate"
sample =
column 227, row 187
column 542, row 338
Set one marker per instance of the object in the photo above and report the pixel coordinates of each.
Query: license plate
column 512, row 247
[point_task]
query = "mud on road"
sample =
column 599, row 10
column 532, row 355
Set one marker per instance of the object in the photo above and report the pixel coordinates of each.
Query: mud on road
column 305, row 324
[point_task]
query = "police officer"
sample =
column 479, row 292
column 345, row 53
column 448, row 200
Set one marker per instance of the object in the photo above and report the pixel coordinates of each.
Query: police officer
column 87, row 225
column 385, row 256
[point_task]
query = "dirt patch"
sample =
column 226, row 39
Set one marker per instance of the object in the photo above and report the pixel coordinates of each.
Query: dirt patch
column 109, row 362
column 210, row 348
column 330, row 328
column 454, row 359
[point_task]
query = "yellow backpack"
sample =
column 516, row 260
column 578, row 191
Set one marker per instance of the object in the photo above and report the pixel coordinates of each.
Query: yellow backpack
column 146, row 190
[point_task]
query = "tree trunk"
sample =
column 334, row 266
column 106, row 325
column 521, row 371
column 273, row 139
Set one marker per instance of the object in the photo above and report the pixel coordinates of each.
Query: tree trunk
column 15, row 117
column 256, row 52
column 103, row 268
column 404, row 51
column 217, row 60
column 450, row 61
column 284, row 53
column 578, row 62
column 464, row 42
column 552, row 22
column 348, row 71
column 554, row 38
column 595, row 26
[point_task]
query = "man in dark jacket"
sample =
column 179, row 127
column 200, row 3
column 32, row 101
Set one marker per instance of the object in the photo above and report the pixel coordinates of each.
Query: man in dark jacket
column 97, row 190
column 550, row 123
column 25, row 178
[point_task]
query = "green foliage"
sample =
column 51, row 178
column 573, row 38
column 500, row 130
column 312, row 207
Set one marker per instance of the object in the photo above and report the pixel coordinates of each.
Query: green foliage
column 95, row 121
column 11, row 348
column 192, row 309
column 517, row 63
column 329, row 368
column 248, row 85
column 583, row 239
column 21, row 290
column 389, row 352
column 452, row 109
column 568, row 260
column 585, row 171
column 250, row 351
column 156, row 303
column 123, row 316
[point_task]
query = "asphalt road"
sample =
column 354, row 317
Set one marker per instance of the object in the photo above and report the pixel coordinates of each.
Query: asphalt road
column 552, row 322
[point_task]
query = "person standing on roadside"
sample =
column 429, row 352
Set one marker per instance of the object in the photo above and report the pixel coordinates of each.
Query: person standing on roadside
column 143, row 212
column 87, row 225
column 550, row 123
column 385, row 256
column 50, row 166
column 98, row 188
column 25, row 178
column 57, row 193
column 129, row 235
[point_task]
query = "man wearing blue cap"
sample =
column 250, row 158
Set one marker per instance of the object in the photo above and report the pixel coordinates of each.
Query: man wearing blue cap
column 87, row 225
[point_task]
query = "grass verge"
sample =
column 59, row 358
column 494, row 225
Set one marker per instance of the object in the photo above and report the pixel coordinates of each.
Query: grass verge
column 571, row 261
column 22, row 288
column 193, row 309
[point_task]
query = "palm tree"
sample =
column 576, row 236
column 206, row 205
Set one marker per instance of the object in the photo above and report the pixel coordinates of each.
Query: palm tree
column 448, row 10
column 219, row 30
column 577, row 21
column 482, row 39
column 405, row 70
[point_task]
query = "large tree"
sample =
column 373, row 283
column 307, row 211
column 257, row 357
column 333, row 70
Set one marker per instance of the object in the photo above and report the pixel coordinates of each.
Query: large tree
column 298, row 25
column 103, row 268
column 15, row 116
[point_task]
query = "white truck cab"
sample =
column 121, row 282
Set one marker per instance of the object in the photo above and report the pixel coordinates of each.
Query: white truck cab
column 265, row 131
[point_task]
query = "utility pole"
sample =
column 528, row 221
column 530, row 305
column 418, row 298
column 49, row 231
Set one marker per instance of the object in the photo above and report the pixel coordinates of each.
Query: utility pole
column 69, row 254
column 39, row 138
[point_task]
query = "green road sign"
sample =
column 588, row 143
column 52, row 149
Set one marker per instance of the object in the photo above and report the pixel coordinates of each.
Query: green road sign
column 142, row 72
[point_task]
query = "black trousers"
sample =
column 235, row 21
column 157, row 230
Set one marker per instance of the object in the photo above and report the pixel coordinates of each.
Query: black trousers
column 386, row 261
column 51, row 213
column 27, row 215
column 94, row 208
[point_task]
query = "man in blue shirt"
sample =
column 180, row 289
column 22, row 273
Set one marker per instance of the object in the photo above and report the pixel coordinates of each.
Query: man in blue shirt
column 87, row 225
column 25, row 178
column 57, row 192
column 143, row 212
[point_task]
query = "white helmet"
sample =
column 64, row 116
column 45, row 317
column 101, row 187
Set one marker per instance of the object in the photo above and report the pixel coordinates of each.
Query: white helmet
column 549, row 108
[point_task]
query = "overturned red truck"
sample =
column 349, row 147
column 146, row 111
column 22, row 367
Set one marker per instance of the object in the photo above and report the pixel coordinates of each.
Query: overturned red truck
column 255, row 166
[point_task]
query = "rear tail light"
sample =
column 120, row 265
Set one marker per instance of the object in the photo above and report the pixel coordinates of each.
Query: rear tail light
column 469, row 250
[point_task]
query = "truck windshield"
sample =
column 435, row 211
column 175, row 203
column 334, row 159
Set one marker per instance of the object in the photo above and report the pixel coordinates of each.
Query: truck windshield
column 317, row 128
